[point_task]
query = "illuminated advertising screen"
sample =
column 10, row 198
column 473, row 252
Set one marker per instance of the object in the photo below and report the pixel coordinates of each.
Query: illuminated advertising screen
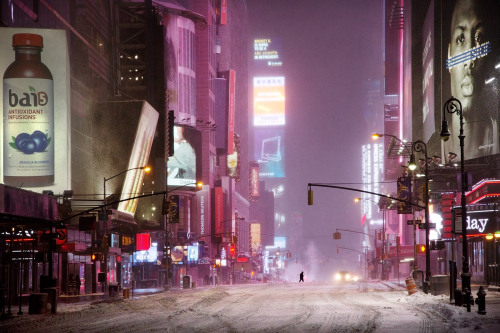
column 254, row 181
column 233, row 159
column 255, row 238
column 150, row 255
column 267, row 52
column 183, row 166
column 138, row 158
column 192, row 253
column 35, row 141
column 470, row 52
column 280, row 242
column 269, row 101
column 269, row 152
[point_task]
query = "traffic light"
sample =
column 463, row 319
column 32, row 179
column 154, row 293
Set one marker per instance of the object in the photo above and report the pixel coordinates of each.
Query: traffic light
column 232, row 251
column 420, row 248
column 337, row 235
column 94, row 257
column 171, row 118
column 379, row 235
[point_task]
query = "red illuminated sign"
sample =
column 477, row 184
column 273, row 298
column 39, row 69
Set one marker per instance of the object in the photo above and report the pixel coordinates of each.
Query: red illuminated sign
column 143, row 242
column 219, row 209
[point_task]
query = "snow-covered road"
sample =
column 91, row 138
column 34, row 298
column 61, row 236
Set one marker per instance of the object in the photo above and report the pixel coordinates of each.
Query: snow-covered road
column 277, row 307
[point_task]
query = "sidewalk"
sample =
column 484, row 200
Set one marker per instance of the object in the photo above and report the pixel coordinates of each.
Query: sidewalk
column 100, row 296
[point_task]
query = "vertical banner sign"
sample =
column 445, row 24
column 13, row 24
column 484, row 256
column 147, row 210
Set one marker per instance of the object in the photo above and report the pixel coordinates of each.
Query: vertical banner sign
column 203, row 200
column 254, row 181
column 173, row 209
column 230, row 118
column 223, row 12
column 404, row 193
column 219, row 210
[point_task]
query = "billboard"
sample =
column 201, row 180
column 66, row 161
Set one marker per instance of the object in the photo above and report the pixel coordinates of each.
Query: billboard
column 429, row 124
column 182, row 167
column 267, row 52
column 269, row 101
column 467, row 59
column 138, row 158
column 35, row 145
column 269, row 152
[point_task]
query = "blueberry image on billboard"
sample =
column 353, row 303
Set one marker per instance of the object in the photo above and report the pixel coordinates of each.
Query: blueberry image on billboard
column 28, row 144
column 40, row 139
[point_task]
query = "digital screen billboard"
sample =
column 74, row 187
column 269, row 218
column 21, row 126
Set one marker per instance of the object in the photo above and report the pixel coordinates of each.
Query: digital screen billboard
column 470, row 52
column 269, row 101
column 269, row 152
column 182, row 167
column 267, row 52
column 138, row 158
column 35, row 144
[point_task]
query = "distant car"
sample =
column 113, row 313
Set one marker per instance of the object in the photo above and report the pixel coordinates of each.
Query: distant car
column 345, row 276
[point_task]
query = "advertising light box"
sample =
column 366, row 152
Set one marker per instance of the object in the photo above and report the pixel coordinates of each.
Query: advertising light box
column 269, row 101
column 267, row 52
column 35, row 112
column 183, row 166
column 269, row 152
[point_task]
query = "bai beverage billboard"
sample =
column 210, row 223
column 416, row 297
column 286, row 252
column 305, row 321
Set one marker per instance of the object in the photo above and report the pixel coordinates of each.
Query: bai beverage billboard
column 35, row 109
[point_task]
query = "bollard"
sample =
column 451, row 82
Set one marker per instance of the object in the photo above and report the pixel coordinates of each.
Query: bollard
column 481, row 301
column 459, row 301
column 467, row 296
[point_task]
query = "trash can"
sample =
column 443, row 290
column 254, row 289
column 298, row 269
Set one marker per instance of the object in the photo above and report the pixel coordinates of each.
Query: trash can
column 37, row 303
column 440, row 285
column 126, row 293
column 186, row 281
column 51, row 298
column 113, row 290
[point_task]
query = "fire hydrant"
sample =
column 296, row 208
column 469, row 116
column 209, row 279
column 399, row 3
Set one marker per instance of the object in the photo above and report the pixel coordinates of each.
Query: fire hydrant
column 481, row 301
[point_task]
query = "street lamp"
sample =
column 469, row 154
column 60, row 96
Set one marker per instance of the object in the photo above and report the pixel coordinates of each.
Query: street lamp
column 453, row 105
column 105, row 238
column 420, row 146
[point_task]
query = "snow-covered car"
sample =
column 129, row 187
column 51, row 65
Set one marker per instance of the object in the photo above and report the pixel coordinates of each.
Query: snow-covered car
column 345, row 276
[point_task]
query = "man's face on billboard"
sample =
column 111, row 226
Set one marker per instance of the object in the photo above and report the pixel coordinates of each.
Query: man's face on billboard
column 467, row 32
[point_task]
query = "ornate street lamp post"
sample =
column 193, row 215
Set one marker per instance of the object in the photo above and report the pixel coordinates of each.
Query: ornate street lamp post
column 453, row 105
column 420, row 146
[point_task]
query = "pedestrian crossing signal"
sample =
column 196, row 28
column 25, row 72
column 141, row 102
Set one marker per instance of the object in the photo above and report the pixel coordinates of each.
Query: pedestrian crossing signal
column 421, row 248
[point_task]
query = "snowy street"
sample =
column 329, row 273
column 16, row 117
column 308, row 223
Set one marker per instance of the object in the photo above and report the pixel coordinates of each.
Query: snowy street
column 272, row 307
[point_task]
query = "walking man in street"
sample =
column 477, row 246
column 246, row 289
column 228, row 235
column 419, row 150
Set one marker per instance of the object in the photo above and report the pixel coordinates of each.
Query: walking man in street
column 301, row 277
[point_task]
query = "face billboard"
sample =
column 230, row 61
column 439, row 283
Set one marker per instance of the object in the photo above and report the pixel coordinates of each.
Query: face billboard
column 269, row 101
column 25, row 117
column 182, row 167
column 470, row 48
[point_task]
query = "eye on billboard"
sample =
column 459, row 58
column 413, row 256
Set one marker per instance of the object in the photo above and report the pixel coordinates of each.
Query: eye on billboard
column 269, row 101
column 182, row 167
column 35, row 108
column 470, row 48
